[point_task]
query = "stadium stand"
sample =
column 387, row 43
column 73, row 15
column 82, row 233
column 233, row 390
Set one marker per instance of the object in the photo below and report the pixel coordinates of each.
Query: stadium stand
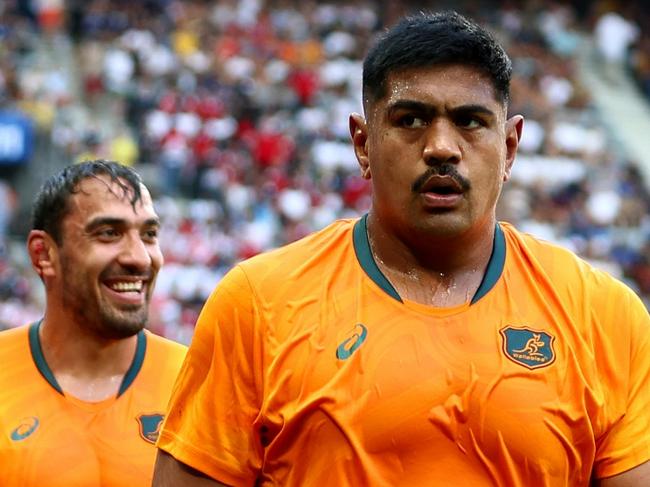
column 236, row 115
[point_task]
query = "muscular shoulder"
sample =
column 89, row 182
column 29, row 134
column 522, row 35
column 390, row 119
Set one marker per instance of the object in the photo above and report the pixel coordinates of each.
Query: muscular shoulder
column 566, row 269
column 304, row 258
column 20, row 381
column 281, row 279
column 563, row 279
column 167, row 354
column 14, row 345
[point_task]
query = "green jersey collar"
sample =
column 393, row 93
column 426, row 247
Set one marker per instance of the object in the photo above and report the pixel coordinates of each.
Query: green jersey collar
column 367, row 261
column 46, row 372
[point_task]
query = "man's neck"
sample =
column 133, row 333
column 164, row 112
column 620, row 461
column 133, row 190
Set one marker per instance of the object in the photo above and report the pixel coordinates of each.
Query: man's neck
column 87, row 367
column 446, row 277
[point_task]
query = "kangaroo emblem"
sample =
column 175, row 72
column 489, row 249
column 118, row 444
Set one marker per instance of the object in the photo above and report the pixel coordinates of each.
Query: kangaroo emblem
column 532, row 346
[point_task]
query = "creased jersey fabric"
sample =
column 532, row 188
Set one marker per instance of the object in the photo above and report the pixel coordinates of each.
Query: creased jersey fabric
column 307, row 369
column 48, row 439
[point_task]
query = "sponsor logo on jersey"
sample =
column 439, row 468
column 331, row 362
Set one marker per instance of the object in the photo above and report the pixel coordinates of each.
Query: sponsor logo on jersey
column 26, row 427
column 357, row 336
column 150, row 426
column 531, row 348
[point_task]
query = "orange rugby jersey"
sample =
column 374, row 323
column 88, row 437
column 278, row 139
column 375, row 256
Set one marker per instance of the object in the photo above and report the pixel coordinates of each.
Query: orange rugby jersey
column 308, row 369
column 48, row 439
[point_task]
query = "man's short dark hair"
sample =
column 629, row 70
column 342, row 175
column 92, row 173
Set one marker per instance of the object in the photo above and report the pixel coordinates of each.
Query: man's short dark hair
column 51, row 203
column 430, row 39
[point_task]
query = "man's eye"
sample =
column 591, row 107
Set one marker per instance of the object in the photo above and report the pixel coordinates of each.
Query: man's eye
column 412, row 122
column 108, row 232
column 468, row 121
column 151, row 234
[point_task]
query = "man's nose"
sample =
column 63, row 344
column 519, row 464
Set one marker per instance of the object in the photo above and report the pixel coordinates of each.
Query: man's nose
column 442, row 143
column 135, row 252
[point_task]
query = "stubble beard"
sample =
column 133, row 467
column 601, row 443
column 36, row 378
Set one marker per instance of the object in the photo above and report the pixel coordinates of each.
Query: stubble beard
column 119, row 324
column 100, row 317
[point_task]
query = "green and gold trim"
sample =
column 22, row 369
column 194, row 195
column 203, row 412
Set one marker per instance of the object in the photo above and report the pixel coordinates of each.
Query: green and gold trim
column 495, row 266
column 367, row 261
column 136, row 365
column 44, row 369
column 39, row 358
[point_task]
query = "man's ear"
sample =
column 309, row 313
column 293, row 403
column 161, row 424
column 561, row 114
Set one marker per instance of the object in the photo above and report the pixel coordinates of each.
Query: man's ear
column 514, row 127
column 42, row 252
column 359, row 134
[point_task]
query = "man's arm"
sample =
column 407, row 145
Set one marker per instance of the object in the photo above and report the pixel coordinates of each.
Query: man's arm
column 169, row 472
column 223, row 366
column 635, row 477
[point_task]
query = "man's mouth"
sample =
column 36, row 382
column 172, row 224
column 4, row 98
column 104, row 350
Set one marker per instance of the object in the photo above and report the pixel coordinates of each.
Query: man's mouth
column 443, row 190
column 129, row 293
column 126, row 286
column 442, row 185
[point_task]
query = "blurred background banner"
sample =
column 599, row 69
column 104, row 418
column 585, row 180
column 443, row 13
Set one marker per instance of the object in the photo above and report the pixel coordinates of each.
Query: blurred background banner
column 16, row 138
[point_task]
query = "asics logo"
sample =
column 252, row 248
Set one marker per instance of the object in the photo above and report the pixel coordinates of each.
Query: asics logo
column 358, row 335
column 25, row 428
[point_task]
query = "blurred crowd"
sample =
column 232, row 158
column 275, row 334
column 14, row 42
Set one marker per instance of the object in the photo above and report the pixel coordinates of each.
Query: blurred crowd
column 236, row 113
column 634, row 26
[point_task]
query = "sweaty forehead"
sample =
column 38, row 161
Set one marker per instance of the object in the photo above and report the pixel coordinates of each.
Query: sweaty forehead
column 99, row 193
column 453, row 84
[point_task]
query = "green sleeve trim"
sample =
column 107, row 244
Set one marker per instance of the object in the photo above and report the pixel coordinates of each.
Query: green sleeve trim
column 39, row 359
column 136, row 365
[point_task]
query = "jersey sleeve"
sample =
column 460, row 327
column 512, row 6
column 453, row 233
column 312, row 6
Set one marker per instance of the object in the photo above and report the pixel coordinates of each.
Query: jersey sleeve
column 211, row 424
column 626, row 443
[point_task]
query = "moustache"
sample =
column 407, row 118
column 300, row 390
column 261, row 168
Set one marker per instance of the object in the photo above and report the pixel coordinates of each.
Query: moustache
column 448, row 170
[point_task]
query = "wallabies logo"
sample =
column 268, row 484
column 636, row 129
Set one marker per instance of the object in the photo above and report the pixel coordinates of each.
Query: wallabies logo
column 150, row 426
column 531, row 348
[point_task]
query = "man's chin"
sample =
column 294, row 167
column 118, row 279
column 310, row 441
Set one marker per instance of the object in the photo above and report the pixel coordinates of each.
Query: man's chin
column 120, row 327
